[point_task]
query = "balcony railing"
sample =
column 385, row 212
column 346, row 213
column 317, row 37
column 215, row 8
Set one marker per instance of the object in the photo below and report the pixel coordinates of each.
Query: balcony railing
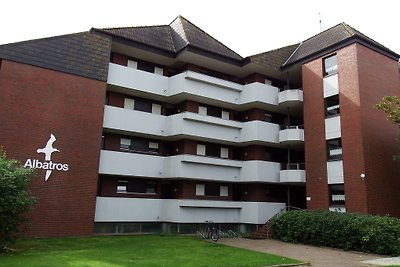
column 293, row 166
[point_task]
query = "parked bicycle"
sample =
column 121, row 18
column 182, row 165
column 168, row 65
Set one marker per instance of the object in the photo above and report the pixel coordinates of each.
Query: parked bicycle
column 211, row 232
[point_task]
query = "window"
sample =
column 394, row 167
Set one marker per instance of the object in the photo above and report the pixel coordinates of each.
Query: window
column 225, row 115
column 122, row 186
column 143, row 105
column 156, row 109
column 136, row 186
column 145, row 66
column 132, row 64
column 158, row 71
column 212, row 189
column 153, row 146
column 330, row 65
column 139, row 144
column 125, row 144
column 200, row 189
column 201, row 150
column 224, row 191
column 129, row 103
column 224, row 152
column 334, row 149
column 332, row 106
column 337, row 196
column 202, row 110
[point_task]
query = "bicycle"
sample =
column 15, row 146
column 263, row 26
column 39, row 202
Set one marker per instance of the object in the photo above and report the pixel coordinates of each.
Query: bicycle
column 211, row 232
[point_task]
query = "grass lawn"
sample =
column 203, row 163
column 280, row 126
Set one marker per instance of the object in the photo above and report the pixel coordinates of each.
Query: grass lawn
column 142, row 250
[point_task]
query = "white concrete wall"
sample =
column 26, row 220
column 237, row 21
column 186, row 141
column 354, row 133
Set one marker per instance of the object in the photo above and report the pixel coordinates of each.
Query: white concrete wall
column 111, row 209
column 335, row 172
column 332, row 128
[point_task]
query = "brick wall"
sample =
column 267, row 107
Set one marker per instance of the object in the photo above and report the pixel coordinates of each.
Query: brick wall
column 350, row 120
column 314, row 135
column 379, row 76
column 36, row 103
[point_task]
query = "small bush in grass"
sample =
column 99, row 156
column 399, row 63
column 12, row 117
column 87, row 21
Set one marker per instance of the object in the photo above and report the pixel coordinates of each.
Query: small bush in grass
column 349, row 231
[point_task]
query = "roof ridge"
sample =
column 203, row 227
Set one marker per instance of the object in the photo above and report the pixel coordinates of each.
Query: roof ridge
column 131, row 27
column 181, row 17
column 272, row 50
column 284, row 63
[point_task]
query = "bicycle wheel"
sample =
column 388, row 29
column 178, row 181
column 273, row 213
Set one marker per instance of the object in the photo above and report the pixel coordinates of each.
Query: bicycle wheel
column 214, row 235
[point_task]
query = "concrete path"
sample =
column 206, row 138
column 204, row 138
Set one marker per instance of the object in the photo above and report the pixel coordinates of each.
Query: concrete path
column 314, row 256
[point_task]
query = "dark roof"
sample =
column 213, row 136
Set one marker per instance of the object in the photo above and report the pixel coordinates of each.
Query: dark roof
column 83, row 54
column 175, row 37
column 331, row 39
column 274, row 58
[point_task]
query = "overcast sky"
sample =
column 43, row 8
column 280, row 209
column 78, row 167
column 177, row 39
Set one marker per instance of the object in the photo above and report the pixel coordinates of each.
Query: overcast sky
column 248, row 26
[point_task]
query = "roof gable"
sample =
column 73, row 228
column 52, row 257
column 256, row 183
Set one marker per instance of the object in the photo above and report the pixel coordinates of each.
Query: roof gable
column 332, row 38
column 175, row 37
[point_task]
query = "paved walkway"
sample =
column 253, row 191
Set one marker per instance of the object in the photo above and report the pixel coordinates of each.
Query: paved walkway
column 313, row 256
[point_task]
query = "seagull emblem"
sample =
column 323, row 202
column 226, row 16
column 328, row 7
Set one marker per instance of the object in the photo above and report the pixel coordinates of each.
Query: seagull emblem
column 48, row 150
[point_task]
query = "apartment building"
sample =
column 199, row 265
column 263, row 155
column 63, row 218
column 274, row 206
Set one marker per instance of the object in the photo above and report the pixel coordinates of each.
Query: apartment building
column 160, row 128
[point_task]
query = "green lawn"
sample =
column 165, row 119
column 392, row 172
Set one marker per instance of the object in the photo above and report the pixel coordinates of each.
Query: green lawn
column 143, row 250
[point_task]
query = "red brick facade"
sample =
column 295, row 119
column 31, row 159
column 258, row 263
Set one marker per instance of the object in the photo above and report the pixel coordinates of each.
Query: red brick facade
column 314, row 135
column 36, row 103
column 368, row 140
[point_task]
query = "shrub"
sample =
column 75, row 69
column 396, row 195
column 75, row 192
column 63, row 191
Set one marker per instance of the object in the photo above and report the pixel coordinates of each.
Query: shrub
column 349, row 231
column 15, row 199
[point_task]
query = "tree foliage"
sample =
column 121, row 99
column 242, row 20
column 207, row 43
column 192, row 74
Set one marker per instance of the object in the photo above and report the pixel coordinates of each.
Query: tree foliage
column 15, row 198
column 391, row 106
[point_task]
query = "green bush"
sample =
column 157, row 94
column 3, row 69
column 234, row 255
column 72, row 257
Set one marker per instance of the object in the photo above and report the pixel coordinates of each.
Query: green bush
column 349, row 231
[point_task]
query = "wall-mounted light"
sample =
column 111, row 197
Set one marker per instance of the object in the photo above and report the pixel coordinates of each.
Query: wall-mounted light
column 362, row 175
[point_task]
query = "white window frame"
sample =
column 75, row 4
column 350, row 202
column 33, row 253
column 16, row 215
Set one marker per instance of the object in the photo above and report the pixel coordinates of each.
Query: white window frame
column 154, row 145
column 200, row 189
column 225, row 115
column 201, row 150
column 132, row 64
column 158, row 71
column 129, row 103
column 125, row 142
column 224, row 152
column 156, row 108
column 224, row 191
column 202, row 110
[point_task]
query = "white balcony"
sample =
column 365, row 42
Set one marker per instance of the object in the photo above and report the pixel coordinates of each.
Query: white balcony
column 292, row 176
column 332, row 128
column 138, row 80
column 194, row 84
column 335, row 172
column 290, row 95
column 189, row 167
column 293, row 134
column 189, row 124
column 331, row 85
column 109, row 209
column 260, row 171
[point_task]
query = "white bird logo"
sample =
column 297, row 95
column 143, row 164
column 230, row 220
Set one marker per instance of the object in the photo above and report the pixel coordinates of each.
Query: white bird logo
column 48, row 150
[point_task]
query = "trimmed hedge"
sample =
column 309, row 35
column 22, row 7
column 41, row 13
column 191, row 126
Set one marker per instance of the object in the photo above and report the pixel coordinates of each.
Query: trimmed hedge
column 348, row 231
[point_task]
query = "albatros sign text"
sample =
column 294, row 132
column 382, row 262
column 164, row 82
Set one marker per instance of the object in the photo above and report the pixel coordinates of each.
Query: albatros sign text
column 48, row 165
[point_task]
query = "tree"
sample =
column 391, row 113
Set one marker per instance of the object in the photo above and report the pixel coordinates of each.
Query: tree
column 15, row 198
column 391, row 106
